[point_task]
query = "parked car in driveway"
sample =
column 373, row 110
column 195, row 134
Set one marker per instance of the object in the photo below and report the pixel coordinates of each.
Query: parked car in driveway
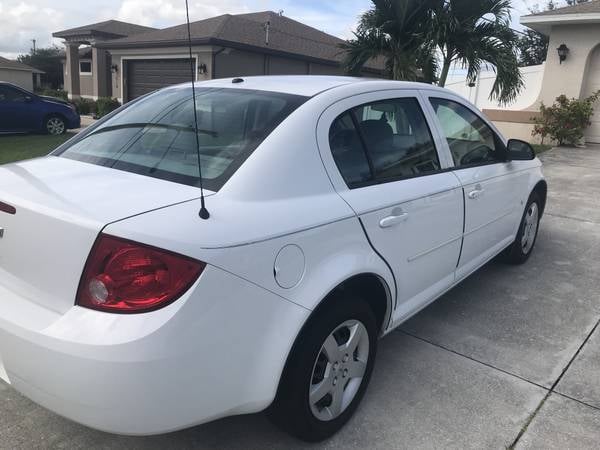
column 22, row 111
column 339, row 207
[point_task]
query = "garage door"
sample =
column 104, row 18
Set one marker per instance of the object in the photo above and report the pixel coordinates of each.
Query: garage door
column 147, row 75
column 592, row 85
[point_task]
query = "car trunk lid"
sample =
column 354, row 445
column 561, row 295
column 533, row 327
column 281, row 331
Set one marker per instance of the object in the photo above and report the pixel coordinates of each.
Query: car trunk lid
column 60, row 206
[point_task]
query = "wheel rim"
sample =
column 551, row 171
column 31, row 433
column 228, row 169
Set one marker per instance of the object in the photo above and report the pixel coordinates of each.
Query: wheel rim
column 339, row 370
column 55, row 126
column 530, row 228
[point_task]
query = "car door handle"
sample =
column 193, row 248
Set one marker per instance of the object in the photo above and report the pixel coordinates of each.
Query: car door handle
column 476, row 193
column 391, row 221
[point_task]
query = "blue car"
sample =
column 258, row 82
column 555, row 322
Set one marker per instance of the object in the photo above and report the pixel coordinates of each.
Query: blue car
column 22, row 111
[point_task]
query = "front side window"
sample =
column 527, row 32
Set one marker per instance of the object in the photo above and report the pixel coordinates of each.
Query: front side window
column 471, row 140
column 383, row 141
column 155, row 135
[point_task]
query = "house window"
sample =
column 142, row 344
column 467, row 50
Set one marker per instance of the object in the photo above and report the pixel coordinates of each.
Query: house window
column 85, row 67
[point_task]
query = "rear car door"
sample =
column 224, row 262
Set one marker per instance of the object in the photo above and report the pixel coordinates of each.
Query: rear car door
column 383, row 160
column 15, row 110
column 491, row 184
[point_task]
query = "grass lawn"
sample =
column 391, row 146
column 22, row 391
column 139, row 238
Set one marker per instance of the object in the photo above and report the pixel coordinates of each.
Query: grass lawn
column 16, row 147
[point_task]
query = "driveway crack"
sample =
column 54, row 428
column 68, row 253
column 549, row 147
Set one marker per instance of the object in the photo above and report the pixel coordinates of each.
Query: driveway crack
column 553, row 388
column 577, row 219
column 549, row 392
column 506, row 372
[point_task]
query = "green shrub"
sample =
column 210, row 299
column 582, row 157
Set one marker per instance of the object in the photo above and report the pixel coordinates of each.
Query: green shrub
column 105, row 105
column 57, row 93
column 84, row 105
column 566, row 120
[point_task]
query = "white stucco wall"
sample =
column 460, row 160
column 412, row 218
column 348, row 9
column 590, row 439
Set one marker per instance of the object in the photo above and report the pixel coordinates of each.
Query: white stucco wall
column 591, row 86
column 569, row 77
column 479, row 95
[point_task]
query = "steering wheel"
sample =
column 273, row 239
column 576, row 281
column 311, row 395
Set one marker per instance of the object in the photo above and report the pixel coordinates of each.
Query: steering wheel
column 479, row 154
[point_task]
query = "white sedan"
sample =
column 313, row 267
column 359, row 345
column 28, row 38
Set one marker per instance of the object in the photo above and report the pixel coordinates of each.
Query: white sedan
column 339, row 208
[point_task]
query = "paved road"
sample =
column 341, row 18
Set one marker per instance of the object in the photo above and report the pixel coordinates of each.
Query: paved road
column 510, row 358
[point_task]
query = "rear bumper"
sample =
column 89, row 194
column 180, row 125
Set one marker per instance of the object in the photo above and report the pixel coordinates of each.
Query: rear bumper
column 218, row 351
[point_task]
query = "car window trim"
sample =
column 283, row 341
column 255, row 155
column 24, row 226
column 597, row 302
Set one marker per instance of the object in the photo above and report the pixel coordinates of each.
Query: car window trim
column 410, row 177
column 376, row 181
column 363, row 141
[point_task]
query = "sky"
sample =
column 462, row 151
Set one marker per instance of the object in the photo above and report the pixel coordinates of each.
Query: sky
column 21, row 21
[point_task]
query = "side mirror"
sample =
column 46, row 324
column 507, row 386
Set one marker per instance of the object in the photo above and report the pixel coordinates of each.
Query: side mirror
column 28, row 99
column 520, row 150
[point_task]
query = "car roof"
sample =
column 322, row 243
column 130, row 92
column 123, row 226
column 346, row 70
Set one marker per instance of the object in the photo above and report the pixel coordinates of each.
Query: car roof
column 307, row 85
column 8, row 83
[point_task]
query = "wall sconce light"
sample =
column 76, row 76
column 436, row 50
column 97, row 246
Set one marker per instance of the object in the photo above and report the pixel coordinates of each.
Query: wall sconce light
column 563, row 51
column 114, row 68
column 202, row 69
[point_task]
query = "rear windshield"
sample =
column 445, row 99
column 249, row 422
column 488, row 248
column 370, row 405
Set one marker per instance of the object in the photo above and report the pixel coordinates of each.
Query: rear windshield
column 154, row 136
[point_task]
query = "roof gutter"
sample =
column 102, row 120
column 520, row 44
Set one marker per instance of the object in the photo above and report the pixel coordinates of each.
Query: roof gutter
column 544, row 22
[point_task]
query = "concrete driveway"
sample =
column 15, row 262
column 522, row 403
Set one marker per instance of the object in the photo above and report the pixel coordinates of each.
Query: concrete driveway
column 510, row 358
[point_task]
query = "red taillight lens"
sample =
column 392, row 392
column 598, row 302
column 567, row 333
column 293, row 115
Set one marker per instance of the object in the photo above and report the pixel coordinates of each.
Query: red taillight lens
column 121, row 276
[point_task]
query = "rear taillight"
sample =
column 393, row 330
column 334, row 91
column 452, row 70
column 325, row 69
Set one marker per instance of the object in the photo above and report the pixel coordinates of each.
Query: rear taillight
column 121, row 276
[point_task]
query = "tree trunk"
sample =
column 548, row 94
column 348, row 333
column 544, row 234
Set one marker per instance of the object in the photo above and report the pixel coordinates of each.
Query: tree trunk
column 445, row 71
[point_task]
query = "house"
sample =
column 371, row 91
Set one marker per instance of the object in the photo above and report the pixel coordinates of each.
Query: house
column 20, row 74
column 224, row 46
column 87, row 70
column 574, row 70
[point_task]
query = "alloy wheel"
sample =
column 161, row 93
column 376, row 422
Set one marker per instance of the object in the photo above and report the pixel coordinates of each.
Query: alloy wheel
column 339, row 370
column 530, row 228
column 55, row 126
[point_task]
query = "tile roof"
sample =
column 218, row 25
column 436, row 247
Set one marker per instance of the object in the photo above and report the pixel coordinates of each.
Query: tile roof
column 581, row 8
column 248, row 30
column 115, row 28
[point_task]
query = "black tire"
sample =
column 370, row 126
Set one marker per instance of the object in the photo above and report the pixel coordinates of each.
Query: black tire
column 517, row 253
column 55, row 125
column 291, row 410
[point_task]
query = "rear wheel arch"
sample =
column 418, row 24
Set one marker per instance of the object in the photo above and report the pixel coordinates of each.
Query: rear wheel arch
column 371, row 288
column 380, row 302
column 541, row 188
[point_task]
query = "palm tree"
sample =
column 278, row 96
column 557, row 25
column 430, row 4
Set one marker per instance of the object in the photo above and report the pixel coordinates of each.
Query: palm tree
column 397, row 32
column 475, row 33
column 413, row 35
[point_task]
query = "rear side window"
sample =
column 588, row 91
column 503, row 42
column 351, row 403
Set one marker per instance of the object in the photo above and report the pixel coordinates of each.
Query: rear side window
column 348, row 151
column 155, row 135
column 382, row 142
column 8, row 94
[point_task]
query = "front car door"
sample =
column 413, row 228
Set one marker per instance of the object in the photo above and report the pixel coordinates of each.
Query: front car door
column 384, row 162
column 492, row 186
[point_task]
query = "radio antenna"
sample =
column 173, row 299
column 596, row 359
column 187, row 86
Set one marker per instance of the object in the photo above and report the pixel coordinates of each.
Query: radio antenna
column 204, row 214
